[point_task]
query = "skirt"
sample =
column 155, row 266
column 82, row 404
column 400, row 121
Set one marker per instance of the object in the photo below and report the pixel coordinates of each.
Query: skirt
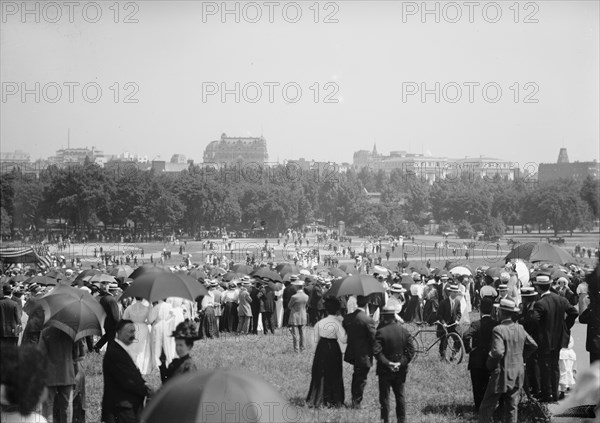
column 209, row 323
column 327, row 382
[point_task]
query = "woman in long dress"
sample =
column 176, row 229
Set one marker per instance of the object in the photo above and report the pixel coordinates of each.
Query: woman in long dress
column 138, row 313
column 162, row 344
column 327, row 382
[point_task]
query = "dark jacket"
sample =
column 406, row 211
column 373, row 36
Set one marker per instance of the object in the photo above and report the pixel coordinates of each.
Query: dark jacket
column 9, row 318
column 288, row 292
column 59, row 349
column 361, row 331
column 124, row 386
column 446, row 315
column 555, row 316
column 393, row 343
column 591, row 317
column 111, row 308
column 478, row 341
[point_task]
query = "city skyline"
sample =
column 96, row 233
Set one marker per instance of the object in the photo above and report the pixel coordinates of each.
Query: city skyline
column 369, row 72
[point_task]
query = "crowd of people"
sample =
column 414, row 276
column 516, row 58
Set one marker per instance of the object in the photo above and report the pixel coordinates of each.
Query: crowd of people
column 520, row 341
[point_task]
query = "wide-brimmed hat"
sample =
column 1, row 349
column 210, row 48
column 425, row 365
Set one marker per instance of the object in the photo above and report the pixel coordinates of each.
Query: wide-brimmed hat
column 298, row 282
column 452, row 288
column 528, row 291
column 507, row 305
column 186, row 330
column 397, row 288
column 112, row 286
column 293, row 278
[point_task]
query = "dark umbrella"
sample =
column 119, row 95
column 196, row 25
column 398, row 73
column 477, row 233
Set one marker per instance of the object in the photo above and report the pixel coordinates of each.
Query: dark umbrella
column 102, row 278
column 494, row 272
column 229, row 276
column 121, row 271
column 337, row 272
column 348, row 268
column 421, row 270
column 198, row 274
column 157, row 286
column 89, row 272
column 356, row 285
column 43, row 280
column 217, row 271
column 540, row 251
column 242, row 268
column 73, row 311
column 220, row 395
column 55, row 274
column 265, row 272
column 147, row 268
column 287, row 268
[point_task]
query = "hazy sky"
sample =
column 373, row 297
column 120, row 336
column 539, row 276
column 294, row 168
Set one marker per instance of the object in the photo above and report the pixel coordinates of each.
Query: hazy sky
column 376, row 59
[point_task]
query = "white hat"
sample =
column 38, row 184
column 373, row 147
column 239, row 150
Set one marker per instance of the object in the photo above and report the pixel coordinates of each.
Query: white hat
column 542, row 280
column 397, row 288
column 507, row 305
column 504, row 276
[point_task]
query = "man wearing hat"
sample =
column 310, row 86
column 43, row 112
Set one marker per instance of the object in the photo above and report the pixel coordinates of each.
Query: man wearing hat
column 10, row 320
column 532, row 369
column 297, row 319
column 111, row 308
column 511, row 345
column 478, row 341
column 449, row 315
column 361, row 331
column 555, row 317
column 244, row 309
column 289, row 290
column 393, row 349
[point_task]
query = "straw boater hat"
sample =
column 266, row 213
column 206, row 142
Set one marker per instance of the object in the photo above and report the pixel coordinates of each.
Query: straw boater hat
column 502, row 287
column 298, row 282
column 542, row 280
column 452, row 288
column 388, row 310
column 528, row 291
column 293, row 278
column 507, row 305
column 397, row 288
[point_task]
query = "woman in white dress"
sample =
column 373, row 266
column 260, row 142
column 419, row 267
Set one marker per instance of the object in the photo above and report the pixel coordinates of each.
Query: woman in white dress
column 161, row 342
column 138, row 313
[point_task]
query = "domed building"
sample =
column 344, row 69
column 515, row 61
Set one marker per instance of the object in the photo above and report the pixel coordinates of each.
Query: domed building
column 232, row 150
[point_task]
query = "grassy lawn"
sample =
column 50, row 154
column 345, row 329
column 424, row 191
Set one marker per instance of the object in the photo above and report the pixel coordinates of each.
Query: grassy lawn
column 435, row 391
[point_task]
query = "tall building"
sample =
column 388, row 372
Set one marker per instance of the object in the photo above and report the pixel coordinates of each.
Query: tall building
column 563, row 169
column 68, row 156
column 232, row 150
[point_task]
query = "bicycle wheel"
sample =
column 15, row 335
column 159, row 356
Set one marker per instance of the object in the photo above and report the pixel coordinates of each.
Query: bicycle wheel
column 418, row 347
column 455, row 349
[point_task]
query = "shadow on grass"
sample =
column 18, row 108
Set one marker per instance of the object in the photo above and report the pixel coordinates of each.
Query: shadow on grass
column 457, row 409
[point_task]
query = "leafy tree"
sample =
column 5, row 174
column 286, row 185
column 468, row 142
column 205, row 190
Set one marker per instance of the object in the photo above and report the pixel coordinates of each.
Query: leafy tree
column 590, row 193
column 5, row 222
column 465, row 230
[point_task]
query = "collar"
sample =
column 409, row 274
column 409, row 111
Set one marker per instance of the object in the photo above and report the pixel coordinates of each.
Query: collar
column 486, row 315
column 509, row 320
column 545, row 293
column 361, row 309
column 122, row 344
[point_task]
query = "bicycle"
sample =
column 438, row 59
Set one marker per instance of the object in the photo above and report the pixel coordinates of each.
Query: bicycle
column 455, row 349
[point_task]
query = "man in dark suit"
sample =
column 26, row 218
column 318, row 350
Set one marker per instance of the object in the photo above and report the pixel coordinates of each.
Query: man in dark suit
column 254, row 290
column 110, row 306
column 478, row 341
column 288, row 292
column 532, row 368
column 124, row 387
column 10, row 320
column 555, row 317
column 393, row 349
column 361, row 331
column 449, row 315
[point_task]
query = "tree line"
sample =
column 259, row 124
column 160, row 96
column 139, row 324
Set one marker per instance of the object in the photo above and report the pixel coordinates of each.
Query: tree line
column 198, row 198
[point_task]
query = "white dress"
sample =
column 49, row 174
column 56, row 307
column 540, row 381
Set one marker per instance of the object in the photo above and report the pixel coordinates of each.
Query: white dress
column 138, row 313
column 161, row 318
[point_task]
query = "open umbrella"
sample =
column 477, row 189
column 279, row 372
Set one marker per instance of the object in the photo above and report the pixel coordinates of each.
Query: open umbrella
column 88, row 272
column 265, row 272
column 216, row 271
column 406, row 282
column 461, row 270
column 380, row 270
column 494, row 272
column 242, row 268
column 146, row 268
column 198, row 274
column 336, row 272
column 229, row 276
column 73, row 311
column 522, row 272
column 287, row 268
column 43, row 280
column 122, row 271
column 540, row 251
column 55, row 274
column 159, row 285
column 348, row 268
column 102, row 278
column 220, row 395
column 356, row 285
column 421, row 270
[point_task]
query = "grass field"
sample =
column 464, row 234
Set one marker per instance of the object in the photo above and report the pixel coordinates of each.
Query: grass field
column 436, row 392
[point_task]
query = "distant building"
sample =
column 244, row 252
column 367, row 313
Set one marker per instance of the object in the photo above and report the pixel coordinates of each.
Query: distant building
column 70, row 156
column 232, row 150
column 170, row 167
column 563, row 169
column 10, row 160
column 429, row 168
column 178, row 158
